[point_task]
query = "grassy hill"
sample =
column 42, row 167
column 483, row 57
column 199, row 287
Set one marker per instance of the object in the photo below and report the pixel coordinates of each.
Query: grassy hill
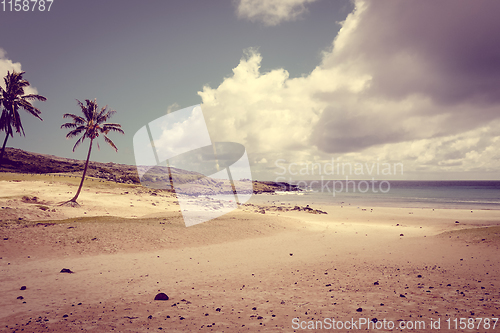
column 20, row 161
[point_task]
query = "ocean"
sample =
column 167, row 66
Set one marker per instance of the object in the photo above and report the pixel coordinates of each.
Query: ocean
column 409, row 194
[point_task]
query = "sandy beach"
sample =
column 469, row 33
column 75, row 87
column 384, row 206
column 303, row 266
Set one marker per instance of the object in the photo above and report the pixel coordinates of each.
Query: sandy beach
column 243, row 272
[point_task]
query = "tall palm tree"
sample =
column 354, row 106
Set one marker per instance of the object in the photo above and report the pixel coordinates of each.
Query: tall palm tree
column 12, row 98
column 91, row 125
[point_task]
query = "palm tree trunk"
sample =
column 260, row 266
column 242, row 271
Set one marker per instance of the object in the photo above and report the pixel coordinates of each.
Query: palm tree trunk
column 170, row 177
column 84, row 172
column 3, row 147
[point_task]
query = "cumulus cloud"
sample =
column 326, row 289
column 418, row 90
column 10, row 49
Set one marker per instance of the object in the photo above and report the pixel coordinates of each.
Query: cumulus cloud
column 7, row 65
column 265, row 111
column 271, row 12
column 173, row 133
column 423, row 74
column 412, row 81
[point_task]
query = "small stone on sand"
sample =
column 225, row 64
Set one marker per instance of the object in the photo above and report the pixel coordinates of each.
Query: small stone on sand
column 161, row 297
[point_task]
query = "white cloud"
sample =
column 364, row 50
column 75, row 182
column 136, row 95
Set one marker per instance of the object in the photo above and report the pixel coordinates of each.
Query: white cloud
column 7, row 65
column 387, row 89
column 173, row 107
column 172, row 138
column 271, row 12
column 267, row 112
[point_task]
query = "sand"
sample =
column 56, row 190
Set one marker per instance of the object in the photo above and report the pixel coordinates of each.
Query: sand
column 242, row 272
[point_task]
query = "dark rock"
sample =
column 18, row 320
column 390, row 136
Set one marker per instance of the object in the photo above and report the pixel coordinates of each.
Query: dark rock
column 375, row 283
column 419, row 276
column 359, row 309
column 218, row 309
column 66, row 270
column 374, row 320
column 291, row 254
column 401, row 295
column 150, row 317
column 161, row 297
column 457, row 222
column 20, row 297
column 23, row 288
column 65, row 316
column 401, row 235
column 29, row 199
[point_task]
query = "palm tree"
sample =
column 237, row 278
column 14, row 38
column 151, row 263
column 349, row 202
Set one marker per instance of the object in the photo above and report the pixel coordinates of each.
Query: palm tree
column 12, row 98
column 91, row 125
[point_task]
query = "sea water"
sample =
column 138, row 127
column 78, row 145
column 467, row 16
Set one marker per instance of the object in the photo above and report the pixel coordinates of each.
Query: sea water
column 409, row 194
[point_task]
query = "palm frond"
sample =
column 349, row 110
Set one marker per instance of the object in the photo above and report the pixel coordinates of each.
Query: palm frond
column 34, row 97
column 76, row 119
column 78, row 143
column 84, row 109
column 106, row 128
column 75, row 132
column 5, row 122
column 16, row 121
column 19, row 128
column 30, row 109
column 69, row 125
column 108, row 140
column 92, row 109
column 101, row 113
column 104, row 117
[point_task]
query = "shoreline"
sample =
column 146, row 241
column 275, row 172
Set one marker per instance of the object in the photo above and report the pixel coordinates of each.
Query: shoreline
column 367, row 203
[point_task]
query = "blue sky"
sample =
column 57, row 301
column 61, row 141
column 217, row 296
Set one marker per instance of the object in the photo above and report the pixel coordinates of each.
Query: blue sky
column 299, row 80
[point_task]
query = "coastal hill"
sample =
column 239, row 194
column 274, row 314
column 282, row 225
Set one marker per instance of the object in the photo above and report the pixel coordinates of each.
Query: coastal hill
column 20, row 161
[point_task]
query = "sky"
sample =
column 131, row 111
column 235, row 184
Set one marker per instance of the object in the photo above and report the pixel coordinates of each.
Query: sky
column 301, row 84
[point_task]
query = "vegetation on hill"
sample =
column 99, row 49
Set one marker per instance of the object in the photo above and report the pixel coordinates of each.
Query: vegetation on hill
column 20, row 161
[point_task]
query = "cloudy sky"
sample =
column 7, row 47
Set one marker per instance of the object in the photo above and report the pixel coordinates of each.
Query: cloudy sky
column 294, row 81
